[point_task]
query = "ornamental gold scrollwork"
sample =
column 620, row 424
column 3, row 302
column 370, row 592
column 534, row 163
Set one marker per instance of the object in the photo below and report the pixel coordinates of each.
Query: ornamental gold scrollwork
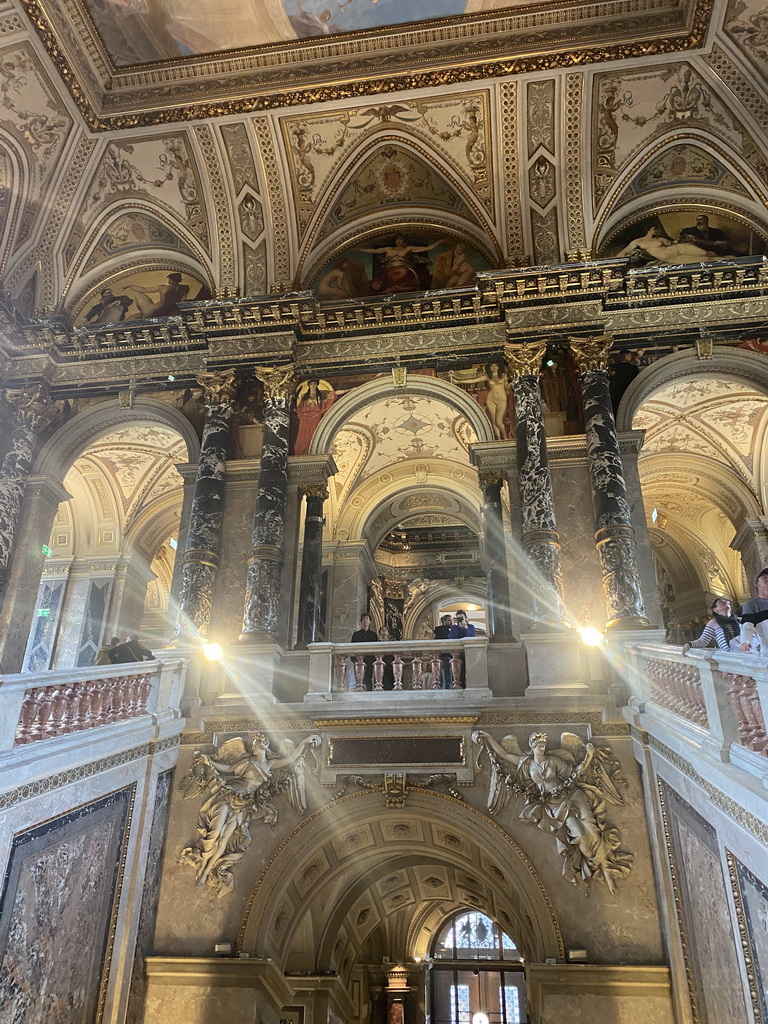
column 279, row 382
column 218, row 388
column 591, row 353
column 565, row 792
column 524, row 360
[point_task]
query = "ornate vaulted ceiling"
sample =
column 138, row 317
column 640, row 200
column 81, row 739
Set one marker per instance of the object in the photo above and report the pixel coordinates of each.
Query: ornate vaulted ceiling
column 520, row 133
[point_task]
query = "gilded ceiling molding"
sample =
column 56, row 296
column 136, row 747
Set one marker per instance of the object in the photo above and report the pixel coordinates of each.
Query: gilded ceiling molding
column 273, row 76
column 278, row 220
column 508, row 148
column 222, row 223
column 575, row 171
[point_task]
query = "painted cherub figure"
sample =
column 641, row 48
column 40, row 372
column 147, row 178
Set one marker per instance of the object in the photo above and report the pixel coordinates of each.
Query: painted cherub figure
column 565, row 791
column 241, row 782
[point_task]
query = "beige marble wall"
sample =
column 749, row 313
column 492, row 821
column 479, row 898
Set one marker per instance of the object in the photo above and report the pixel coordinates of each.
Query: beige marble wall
column 600, row 995
column 204, row 990
column 229, row 591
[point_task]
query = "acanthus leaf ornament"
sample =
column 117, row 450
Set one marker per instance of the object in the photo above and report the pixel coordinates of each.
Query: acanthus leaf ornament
column 218, row 388
column 524, row 360
column 279, row 382
column 241, row 781
column 565, row 792
column 591, row 353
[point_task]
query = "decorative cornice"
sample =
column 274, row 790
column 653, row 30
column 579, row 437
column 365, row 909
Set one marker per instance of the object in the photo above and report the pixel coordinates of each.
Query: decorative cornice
column 355, row 65
column 84, row 771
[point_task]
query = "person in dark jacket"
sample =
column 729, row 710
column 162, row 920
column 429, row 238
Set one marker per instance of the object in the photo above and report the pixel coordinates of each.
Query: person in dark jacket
column 365, row 635
column 443, row 632
column 132, row 650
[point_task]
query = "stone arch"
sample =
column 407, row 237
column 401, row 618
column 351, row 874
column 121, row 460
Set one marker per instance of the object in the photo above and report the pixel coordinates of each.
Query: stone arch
column 74, row 437
column 18, row 177
column 728, row 363
column 85, row 277
column 618, row 206
column 438, row 842
column 432, row 387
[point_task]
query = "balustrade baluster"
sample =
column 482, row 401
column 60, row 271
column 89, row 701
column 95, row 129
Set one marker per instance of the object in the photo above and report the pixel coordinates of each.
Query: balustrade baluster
column 341, row 672
column 378, row 672
column 456, row 666
column 437, row 671
column 397, row 672
column 44, row 710
column 27, row 716
column 416, row 672
column 359, row 673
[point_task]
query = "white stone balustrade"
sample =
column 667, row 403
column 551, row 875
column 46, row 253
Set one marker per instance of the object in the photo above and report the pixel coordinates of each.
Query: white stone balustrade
column 41, row 706
column 719, row 699
column 416, row 665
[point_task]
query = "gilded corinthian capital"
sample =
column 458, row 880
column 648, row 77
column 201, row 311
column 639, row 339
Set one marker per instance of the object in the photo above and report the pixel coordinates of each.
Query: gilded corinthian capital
column 524, row 360
column 218, row 388
column 278, row 381
column 591, row 353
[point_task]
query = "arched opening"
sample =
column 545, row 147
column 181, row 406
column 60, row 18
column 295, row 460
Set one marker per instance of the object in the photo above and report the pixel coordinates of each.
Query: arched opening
column 477, row 973
column 111, row 552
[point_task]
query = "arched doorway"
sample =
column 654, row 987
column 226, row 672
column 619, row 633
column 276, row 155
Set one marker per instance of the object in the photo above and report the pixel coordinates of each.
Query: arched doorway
column 477, row 974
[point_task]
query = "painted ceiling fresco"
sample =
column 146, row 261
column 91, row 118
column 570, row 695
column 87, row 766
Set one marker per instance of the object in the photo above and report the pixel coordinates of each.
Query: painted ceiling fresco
column 678, row 235
column 143, row 31
column 399, row 263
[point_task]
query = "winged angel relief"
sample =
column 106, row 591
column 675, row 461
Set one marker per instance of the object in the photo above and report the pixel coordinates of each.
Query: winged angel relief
column 242, row 782
column 565, row 792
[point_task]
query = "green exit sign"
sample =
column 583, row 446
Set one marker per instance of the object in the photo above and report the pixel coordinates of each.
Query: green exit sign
column 46, row 550
column 43, row 613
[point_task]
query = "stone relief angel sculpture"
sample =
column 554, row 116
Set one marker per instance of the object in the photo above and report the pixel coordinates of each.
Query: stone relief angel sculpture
column 566, row 791
column 242, row 782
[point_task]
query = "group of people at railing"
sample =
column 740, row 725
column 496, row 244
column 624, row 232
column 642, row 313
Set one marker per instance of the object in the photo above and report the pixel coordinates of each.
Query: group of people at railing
column 728, row 632
column 444, row 670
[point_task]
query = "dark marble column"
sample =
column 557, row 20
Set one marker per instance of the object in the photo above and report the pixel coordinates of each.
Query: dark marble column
column 540, row 539
column 311, row 566
column 262, row 589
column 499, row 619
column 33, row 413
column 201, row 554
column 614, row 536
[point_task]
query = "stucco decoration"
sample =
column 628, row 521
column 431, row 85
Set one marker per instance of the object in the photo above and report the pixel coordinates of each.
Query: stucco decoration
column 455, row 128
column 635, row 107
column 565, row 792
column 134, row 231
column 684, row 164
column 158, row 169
column 241, row 782
column 746, row 24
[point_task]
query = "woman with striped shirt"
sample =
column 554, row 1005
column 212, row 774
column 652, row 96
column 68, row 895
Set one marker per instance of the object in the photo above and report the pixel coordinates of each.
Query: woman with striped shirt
column 723, row 627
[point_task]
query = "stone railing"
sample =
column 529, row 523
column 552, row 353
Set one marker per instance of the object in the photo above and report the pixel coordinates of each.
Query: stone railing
column 716, row 698
column 406, row 665
column 41, row 706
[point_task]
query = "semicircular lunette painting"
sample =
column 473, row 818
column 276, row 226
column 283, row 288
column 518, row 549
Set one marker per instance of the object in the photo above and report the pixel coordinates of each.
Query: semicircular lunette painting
column 139, row 296
column 144, row 31
column 397, row 263
column 691, row 235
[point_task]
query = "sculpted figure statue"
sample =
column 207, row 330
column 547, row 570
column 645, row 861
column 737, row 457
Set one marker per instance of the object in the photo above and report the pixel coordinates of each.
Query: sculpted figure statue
column 241, row 783
column 565, row 791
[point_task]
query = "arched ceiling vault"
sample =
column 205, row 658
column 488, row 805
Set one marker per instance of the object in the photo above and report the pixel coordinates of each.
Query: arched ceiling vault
column 350, row 882
column 245, row 178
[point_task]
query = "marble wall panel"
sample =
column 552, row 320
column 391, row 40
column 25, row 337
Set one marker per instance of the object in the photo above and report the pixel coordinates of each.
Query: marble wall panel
column 754, row 908
column 582, row 578
column 150, row 897
column 72, row 614
column 58, row 910
column 708, row 935
column 202, row 1004
column 607, row 1007
column 229, row 591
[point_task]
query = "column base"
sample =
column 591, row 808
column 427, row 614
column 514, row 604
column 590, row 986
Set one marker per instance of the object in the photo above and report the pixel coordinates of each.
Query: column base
column 556, row 667
column 257, row 637
column 631, row 622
